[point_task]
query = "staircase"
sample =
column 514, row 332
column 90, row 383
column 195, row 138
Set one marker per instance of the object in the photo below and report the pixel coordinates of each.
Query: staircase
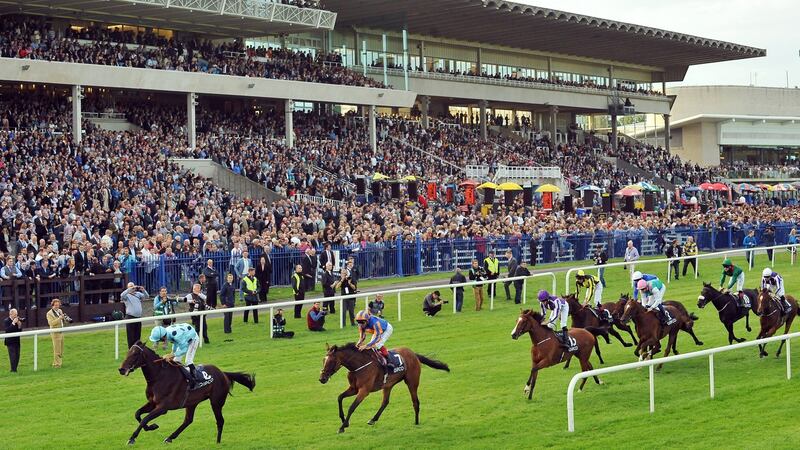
column 238, row 185
column 428, row 154
column 639, row 172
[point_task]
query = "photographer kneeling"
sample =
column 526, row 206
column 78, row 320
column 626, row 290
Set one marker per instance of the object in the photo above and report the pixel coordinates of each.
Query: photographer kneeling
column 279, row 326
column 433, row 303
column 316, row 318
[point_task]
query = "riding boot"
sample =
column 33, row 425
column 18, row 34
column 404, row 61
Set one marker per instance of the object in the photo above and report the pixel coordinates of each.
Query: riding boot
column 787, row 306
column 564, row 337
column 192, row 376
column 600, row 313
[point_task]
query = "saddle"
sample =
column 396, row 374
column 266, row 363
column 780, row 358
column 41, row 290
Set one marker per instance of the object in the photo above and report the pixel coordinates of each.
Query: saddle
column 666, row 319
column 395, row 363
column 606, row 315
column 201, row 377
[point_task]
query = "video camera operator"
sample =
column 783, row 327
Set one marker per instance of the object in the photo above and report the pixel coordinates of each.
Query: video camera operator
column 433, row 303
column 57, row 318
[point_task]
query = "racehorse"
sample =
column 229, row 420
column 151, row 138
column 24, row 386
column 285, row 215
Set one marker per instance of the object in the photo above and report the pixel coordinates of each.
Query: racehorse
column 583, row 317
column 366, row 375
column 772, row 317
column 651, row 331
column 546, row 351
column 727, row 305
column 167, row 389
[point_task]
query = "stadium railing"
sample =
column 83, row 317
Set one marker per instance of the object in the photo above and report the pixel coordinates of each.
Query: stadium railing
column 650, row 364
column 268, row 306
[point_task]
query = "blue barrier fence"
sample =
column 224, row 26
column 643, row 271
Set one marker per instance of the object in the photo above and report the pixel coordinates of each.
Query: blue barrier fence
column 414, row 257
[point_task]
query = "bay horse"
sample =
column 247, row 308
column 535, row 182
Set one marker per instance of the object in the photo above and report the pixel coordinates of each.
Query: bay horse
column 547, row 351
column 366, row 375
column 584, row 316
column 651, row 331
column 772, row 318
column 727, row 305
column 167, row 389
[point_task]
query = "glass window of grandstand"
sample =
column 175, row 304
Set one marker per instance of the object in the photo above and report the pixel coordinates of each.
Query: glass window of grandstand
column 305, row 107
column 464, row 67
column 743, row 157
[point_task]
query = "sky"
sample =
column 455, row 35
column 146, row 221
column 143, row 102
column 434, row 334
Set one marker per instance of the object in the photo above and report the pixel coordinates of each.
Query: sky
column 769, row 24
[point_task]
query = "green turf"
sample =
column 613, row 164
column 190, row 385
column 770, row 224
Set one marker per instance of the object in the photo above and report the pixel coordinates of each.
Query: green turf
column 480, row 404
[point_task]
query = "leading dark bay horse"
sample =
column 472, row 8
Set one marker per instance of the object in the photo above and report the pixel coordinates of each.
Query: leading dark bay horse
column 366, row 375
column 727, row 305
column 167, row 389
column 546, row 351
column 772, row 317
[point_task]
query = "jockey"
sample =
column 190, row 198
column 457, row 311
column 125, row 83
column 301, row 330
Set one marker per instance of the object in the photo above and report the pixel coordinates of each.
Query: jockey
column 773, row 282
column 559, row 310
column 184, row 344
column 594, row 290
column 367, row 323
column 737, row 278
column 652, row 296
column 641, row 276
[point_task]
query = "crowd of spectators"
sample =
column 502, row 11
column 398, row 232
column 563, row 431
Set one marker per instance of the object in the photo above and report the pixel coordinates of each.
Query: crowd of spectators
column 31, row 38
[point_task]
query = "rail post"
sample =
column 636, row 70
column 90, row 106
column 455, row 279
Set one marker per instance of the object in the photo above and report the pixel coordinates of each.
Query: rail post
column 524, row 291
column 399, row 308
column 773, row 262
column 271, row 328
column 696, row 267
column 711, row 374
column 35, row 352
column 200, row 337
column 652, row 389
column 492, row 288
column 454, row 300
column 341, row 313
column 788, row 359
column 669, row 272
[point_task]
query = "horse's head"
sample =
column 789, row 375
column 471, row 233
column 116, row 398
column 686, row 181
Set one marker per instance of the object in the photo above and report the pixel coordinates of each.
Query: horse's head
column 525, row 322
column 764, row 298
column 630, row 310
column 134, row 359
column 706, row 295
column 330, row 364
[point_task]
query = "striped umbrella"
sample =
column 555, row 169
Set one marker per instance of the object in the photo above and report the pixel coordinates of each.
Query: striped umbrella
column 746, row 187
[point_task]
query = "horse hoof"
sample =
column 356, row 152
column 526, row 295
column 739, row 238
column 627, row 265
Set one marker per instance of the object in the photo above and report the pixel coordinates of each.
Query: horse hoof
column 749, row 329
column 601, row 382
column 131, row 441
column 341, row 430
column 168, row 441
column 371, row 422
column 580, row 390
column 526, row 390
column 627, row 344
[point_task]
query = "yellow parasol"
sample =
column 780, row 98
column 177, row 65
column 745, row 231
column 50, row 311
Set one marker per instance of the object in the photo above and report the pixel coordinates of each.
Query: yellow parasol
column 509, row 186
column 548, row 188
column 379, row 177
column 409, row 178
column 488, row 185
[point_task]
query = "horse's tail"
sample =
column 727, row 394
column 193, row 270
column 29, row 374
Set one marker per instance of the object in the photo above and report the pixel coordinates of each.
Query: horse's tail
column 433, row 363
column 245, row 379
column 693, row 316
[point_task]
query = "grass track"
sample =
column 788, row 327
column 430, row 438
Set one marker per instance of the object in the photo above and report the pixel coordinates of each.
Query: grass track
column 478, row 405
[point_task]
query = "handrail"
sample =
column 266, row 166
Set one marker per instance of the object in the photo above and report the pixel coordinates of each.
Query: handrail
column 427, row 153
column 651, row 363
column 271, row 307
column 750, row 251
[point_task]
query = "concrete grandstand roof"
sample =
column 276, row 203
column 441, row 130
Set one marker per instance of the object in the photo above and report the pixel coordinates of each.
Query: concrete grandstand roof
column 533, row 28
column 228, row 18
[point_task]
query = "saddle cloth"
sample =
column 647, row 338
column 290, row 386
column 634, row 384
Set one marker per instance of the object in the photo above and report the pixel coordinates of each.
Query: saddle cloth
column 572, row 344
column 668, row 319
column 395, row 363
column 201, row 378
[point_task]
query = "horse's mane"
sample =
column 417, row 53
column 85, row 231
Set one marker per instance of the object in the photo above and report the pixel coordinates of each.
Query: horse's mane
column 347, row 346
column 535, row 314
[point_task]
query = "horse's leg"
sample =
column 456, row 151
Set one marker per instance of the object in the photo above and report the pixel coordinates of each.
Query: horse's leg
column 187, row 420
column 145, row 409
column 157, row 411
column 690, row 329
column 351, row 391
column 412, row 389
column 362, row 394
column 747, row 321
column 633, row 336
column 614, row 333
column 731, row 336
column 586, row 365
column 386, row 393
column 569, row 359
column 597, row 350
column 785, row 330
column 217, row 408
column 534, row 375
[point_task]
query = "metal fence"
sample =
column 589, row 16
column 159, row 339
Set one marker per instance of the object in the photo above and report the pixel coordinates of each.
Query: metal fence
column 415, row 256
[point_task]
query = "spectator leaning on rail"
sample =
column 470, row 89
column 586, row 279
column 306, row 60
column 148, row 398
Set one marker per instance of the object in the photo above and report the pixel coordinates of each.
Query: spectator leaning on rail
column 13, row 324
column 674, row 250
column 749, row 241
column 458, row 278
column 522, row 271
column 432, row 304
column 57, row 318
column 133, row 297
column 631, row 256
column 227, row 297
column 376, row 306
column 512, row 270
column 689, row 249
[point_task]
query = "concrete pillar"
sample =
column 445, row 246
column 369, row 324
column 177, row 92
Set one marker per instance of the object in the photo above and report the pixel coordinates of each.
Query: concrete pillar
column 424, row 107
column 422, row 56
column 612, row 82
column 77, row 130
column 553, row 122
column 614, row 131
column 483, row 104
column 667, row 133
column 283, row 41
column 191, row 127
column 550, row 68
column 373, row 132
column 479, row 69
column 288, row 112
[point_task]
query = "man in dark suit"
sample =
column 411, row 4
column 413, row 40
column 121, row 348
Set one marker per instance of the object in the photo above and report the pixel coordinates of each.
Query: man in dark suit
column 326, row 256
column 212, row 280
column 309, row 264
column 13, row 324
column 512, row 269
column 329, row 285
column 521, row 271
column 264, row 274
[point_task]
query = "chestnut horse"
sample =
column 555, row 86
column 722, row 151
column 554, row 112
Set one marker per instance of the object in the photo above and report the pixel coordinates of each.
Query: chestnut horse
column 546, row 350
column 584, row 316
column 167, row 390
column 727, row 305
column 651, row 331
column 772, row 317
column 366, row 375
